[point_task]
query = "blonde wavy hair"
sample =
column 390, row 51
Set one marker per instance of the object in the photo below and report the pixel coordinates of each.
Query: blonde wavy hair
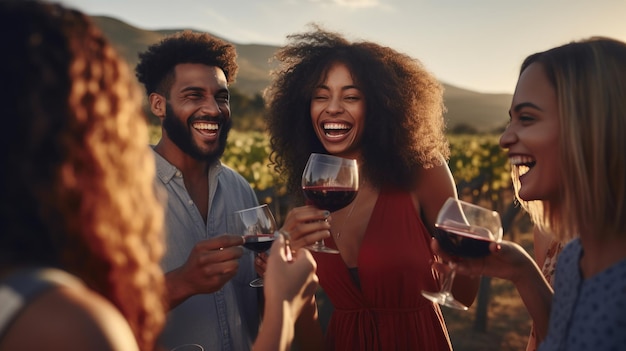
column 589, row 77
column 81, row 193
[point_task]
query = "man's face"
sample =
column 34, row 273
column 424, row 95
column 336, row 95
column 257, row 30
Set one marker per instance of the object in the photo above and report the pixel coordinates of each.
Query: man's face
column 197, row 116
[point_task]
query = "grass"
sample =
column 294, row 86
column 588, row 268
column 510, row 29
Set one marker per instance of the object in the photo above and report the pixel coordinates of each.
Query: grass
column 508, row 324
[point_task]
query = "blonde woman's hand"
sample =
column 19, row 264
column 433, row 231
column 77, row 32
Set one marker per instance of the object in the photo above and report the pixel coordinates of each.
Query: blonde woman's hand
column 507, row 260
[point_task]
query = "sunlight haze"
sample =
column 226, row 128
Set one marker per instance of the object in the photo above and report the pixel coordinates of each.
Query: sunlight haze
column 472, row 44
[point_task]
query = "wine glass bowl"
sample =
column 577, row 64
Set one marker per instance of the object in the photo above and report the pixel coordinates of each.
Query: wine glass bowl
column 466, row 230
column 188, row 347
column 258, row 228
column 330, row 183
column 464, row 241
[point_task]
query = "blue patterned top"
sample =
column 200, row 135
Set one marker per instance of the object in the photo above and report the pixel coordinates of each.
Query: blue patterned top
column 587, row 314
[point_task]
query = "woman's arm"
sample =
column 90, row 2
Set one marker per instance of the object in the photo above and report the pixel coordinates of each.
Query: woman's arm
column 510, row 261
column 289, row 288
column 309, row 334
column 435, row 186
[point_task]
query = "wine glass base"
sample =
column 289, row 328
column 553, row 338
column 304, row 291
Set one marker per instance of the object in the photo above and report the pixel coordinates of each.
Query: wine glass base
column 444, row 299
column 322, row 248
column 257, row 283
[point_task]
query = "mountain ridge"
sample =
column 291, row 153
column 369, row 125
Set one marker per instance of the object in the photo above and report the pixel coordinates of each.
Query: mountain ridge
column 466, row 109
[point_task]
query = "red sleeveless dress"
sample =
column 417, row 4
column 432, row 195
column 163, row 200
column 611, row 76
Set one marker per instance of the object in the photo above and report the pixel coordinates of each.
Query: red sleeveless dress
column 388, row 312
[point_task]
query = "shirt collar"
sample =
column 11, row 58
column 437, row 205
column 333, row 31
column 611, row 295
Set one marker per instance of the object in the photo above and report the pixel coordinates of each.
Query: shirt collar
column 166, row 171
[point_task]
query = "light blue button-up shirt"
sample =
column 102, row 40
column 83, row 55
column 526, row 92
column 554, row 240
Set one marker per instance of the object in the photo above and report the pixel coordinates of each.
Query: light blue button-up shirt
column 228, row 319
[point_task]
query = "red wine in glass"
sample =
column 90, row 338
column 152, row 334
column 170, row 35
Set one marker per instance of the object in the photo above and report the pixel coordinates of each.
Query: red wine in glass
column 463, row 229
column 258, row 228
column 329, row 198
column 462, row 242
column 258, row 243
column 330, row 183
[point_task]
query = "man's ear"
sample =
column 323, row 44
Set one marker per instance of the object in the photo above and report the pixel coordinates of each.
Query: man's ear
column 157, row 104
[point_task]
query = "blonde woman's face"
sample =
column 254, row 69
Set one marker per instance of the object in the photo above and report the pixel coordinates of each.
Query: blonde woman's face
column 532, row 136
column 338, row 112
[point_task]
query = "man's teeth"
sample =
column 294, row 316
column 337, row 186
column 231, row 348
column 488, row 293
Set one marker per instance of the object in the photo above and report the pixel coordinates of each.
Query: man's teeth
column 206, row 126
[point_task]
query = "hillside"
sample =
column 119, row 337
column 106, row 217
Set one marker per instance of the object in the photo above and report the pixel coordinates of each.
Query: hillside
column 484, row 112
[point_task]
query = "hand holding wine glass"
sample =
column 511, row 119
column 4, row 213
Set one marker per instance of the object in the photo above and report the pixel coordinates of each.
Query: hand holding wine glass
column 331, row 183
column 258, row 227
column 463, row 229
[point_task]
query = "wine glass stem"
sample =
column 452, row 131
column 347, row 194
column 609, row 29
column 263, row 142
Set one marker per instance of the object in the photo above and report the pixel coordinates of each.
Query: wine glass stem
column 448, row 279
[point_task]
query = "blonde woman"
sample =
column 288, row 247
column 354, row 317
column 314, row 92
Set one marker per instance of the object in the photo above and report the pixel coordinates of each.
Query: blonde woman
column 566, row 145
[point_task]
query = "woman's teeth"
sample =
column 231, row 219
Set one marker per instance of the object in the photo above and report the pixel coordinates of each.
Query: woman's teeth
column 336, row 128
column 523, row 163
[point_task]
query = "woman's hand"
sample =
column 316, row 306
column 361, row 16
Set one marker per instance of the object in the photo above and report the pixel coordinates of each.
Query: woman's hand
column 510, row 261
column 507, row 260
column 306, row 225
column 293, row 281
column 289, row 286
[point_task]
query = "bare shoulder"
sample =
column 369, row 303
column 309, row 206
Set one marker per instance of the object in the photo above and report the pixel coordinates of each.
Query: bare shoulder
column 433, row 187
column 70, row 319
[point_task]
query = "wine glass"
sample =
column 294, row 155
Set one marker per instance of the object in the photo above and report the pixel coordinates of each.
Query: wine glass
column 463, row 229
column 330, row 183
column 258, row 227
column 188, row 347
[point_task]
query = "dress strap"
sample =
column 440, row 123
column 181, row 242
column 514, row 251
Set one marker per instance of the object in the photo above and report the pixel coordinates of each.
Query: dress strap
column 23, row 286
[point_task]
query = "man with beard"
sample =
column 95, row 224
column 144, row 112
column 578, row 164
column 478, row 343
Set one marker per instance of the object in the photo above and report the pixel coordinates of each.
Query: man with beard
column 186, row 77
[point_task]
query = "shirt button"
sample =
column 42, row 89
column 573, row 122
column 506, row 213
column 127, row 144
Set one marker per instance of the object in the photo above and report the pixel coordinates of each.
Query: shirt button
column 178, row 174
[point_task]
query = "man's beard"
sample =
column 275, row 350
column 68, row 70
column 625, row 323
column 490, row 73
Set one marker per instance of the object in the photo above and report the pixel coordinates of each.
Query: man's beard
column 180, row 134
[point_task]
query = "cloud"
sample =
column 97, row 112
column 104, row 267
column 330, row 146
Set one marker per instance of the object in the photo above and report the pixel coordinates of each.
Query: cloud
column 349, row 3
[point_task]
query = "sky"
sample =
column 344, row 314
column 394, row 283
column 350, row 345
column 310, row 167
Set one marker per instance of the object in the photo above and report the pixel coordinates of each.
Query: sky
column 472, row 44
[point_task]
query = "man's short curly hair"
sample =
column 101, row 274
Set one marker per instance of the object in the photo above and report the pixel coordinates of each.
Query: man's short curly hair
column 156, row 65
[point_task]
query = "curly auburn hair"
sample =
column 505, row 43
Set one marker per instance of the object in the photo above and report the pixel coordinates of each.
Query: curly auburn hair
column 404, row 126
column 80, row 193
column 156, row 65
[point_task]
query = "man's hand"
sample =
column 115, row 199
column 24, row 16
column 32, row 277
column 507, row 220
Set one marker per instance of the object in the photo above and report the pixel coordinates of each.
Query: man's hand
column 210, row 265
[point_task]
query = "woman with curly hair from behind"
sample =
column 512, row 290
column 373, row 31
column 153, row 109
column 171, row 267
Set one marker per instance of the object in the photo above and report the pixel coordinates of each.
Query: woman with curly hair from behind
column 80, row 222
column 368, row 102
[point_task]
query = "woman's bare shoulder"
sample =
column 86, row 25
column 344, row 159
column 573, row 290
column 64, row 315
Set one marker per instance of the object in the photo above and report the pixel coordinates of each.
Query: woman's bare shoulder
column 70, row 318
column 434, row 185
